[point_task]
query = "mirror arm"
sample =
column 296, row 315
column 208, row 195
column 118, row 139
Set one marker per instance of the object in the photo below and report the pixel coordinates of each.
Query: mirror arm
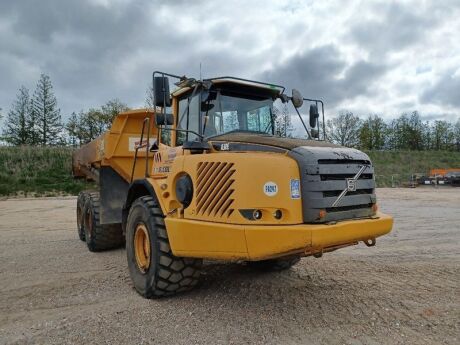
column 324, row 123
column 303, row 123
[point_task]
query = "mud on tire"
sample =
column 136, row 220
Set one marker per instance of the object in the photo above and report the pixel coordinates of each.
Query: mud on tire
column 80, row 215
column 275, row 264
column 162, row 273
column 99, row 237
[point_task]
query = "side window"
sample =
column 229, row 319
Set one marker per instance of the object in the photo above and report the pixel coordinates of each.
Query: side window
column 166, row 137
column 188, row 119
column 259, row 120
column 253, row 121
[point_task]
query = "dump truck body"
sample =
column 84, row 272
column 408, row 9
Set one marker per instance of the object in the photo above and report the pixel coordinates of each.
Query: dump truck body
column 240, row 194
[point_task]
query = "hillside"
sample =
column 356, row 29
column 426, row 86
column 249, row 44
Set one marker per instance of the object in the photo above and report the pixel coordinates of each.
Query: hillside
column 402, row 164
column 38, row 171
column 46, row 171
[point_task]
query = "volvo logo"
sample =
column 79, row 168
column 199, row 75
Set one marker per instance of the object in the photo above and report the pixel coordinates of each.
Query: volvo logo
column 351, row 185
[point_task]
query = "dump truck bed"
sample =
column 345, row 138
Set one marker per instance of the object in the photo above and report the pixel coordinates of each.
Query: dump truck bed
column 116, row 148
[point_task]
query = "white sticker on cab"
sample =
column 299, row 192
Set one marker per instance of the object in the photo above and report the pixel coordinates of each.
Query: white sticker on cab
column 270, row 188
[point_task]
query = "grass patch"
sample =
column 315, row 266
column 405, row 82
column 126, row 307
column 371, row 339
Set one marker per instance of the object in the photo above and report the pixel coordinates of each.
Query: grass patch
column 47, row 171
column 38, row 171
column 402, row 164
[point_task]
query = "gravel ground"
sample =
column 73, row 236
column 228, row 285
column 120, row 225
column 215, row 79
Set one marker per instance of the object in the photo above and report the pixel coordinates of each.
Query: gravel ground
column 403, row 291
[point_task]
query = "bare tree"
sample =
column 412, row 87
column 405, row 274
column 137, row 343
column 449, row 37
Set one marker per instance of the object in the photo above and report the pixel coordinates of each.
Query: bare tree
column 283, row 123
column 149, row 98
column 344, row 129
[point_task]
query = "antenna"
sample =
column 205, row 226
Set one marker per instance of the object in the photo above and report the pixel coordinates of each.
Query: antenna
column 200, row 70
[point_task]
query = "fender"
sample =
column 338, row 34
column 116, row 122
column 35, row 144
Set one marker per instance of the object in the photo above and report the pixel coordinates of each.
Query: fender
column 137, row 188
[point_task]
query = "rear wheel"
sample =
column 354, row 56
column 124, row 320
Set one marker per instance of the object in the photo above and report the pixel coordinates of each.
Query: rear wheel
column 80, row 212
column 275, row 264
column 99, row 237
column 154, row 269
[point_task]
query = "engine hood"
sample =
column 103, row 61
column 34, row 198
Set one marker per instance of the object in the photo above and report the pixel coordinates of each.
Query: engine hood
column 269, row 140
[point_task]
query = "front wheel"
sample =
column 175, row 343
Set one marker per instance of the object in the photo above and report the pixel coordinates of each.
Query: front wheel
column 154, row 269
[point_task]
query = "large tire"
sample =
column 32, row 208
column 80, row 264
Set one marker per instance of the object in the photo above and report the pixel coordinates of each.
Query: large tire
column 154, row 269
column 280, row 264
column 97, row 236
column 80, row 215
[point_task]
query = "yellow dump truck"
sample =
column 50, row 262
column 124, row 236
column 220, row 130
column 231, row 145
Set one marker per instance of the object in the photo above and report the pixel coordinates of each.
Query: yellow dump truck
column 203, row 176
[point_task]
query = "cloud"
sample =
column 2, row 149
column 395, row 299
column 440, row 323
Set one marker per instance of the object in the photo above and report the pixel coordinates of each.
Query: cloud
column 445, row 91
column 352, row 54
column 324, row 73
column 397, row 27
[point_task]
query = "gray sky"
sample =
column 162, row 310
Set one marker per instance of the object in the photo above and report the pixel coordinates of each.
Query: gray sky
column 383, row 57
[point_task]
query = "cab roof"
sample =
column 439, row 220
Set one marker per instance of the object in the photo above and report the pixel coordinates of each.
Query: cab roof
column 232, row 82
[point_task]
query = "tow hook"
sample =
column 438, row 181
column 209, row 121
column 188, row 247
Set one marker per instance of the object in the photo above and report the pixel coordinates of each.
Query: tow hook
column 370, row 242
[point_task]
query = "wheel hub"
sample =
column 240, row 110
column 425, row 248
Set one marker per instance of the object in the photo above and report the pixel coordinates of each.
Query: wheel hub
column 142, row 248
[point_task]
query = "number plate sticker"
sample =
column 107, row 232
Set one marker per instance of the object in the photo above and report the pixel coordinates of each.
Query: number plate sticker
column 295, row 189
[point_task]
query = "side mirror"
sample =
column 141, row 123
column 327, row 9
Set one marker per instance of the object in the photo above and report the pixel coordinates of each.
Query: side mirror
column 314, row 115
column 161, row 92
column 314, row 133
column 297, row 99
column 164, row 119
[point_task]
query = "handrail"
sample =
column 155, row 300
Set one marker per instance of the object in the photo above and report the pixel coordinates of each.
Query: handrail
column 141, row 145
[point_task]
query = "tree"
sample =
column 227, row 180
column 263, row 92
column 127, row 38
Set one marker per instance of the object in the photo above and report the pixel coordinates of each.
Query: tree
column 283, row 123
column 372, row 133
column 45, row 112
column 457, row 135
column 73, row 129
column 17, row 130
column 427, row 137
column 415, row 132
column 344, row 129
column 110, row 110
column 86, row 126
column 149, row 98
column 442, row 135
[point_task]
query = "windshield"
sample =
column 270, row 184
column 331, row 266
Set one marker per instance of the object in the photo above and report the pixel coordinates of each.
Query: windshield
column 225, row 111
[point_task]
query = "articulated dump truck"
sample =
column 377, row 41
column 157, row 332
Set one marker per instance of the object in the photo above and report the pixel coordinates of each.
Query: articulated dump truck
column 203, row 175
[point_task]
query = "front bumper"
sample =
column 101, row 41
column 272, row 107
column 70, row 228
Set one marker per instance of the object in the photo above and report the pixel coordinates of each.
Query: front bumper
column 189, row 238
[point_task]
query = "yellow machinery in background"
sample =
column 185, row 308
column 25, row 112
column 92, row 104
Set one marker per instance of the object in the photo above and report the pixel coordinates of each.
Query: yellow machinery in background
column 206, row 176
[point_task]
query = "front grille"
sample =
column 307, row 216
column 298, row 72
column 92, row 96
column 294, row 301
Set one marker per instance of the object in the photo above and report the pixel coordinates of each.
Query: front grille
column 341, row 177
column 332, row 193
column 324, row 181
column 347, row 208
column 215, row 188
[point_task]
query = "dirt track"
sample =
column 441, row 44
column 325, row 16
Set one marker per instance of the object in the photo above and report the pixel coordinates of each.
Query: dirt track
column 404, row 290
